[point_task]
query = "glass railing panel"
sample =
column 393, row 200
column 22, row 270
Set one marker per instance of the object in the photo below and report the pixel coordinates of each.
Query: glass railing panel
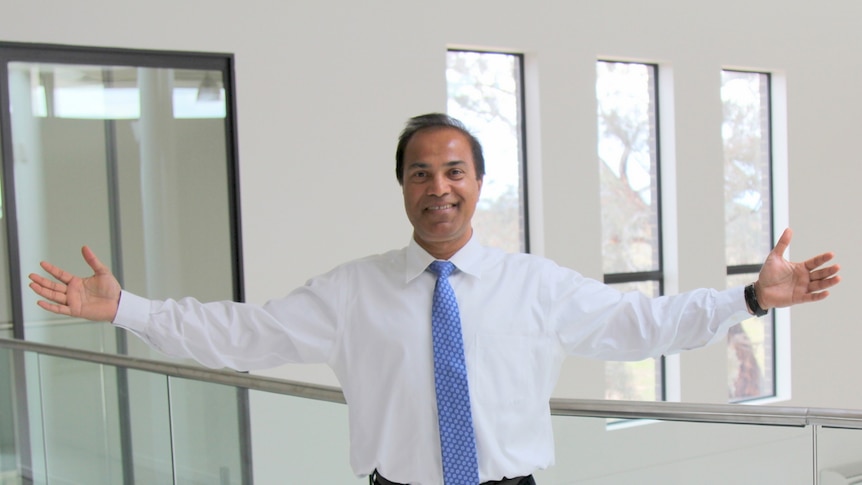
column 839, row 456
column 37, row 470
column 9, row 459
column 80, row 421
column 182, row 432
column 186, row 430
column 677, row 453
column 75, row 333
column 299, row 440
column 206, row 432
column 150, row 429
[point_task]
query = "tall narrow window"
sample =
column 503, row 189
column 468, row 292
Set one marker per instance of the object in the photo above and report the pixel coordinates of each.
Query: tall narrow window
column 748, row 227
column 485, row 92
column 631, row 223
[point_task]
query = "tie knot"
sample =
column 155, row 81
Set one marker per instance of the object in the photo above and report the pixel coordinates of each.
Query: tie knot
column 442, row 268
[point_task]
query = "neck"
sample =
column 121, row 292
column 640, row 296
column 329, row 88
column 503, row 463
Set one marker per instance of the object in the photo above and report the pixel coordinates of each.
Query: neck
column 444, row 249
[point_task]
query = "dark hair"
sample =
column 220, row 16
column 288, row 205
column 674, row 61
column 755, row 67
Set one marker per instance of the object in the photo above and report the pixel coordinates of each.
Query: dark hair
column 436, row 120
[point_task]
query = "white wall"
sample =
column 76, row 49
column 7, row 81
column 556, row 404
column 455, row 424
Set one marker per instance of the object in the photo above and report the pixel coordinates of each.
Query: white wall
column 324, row 88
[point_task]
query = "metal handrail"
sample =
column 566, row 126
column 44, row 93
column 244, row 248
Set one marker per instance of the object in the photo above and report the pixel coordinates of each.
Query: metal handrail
column 709, row 413
column 185, row 371
column 664, row 411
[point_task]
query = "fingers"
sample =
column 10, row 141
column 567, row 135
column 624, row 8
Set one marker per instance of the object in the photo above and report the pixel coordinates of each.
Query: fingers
column 93, row 261
column 56, row 272
column 818, row 260
column 46, row 283
column 783, row 242
column 54, row 308
column 816, row 296
column 822, row 284
column 89, row 256
column 48, row 289
column 824, row 273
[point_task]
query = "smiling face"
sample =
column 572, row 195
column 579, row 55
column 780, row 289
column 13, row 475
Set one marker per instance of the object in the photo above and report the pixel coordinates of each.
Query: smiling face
column 440, row 189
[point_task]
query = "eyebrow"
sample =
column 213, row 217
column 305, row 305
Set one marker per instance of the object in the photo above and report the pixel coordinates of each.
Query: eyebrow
column 421, row 165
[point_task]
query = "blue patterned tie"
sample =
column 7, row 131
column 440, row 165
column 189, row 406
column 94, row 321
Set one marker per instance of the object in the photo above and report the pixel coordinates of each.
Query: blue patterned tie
column 457, row 440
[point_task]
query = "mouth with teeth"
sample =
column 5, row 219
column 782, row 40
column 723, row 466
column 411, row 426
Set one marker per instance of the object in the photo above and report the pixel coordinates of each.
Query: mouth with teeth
column 434, row 208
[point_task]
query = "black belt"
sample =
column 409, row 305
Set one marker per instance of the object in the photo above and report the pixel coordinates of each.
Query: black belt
column 377, row 479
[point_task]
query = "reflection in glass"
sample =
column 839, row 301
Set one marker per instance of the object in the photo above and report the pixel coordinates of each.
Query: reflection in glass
column 105, row 93
column 485, row 93
column 130, row 161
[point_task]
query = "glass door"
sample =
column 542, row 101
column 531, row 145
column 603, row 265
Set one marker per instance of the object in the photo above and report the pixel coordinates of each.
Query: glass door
column 134, row 155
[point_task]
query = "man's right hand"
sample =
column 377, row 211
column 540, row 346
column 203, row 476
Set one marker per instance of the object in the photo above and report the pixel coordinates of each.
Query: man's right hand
column 96, row 297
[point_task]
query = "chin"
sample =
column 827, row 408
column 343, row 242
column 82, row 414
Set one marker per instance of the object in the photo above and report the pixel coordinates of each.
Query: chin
column 440, row 237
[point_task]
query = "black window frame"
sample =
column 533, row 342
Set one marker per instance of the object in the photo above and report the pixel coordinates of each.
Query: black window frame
column 754, row 268
column 111, row 56
column 522, row 134
column 657, row 275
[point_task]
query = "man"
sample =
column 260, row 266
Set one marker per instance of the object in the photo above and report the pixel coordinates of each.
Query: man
column 378, row 322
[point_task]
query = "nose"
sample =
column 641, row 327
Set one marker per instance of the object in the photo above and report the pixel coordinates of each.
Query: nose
column 439, row 185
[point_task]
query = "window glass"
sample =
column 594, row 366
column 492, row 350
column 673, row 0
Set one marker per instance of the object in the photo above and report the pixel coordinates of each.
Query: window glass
column 631, row 242
column 113, row 92
column 747, row 172
column 745, row 132
column 131, row 161
column 628, row 158
column 750, row 353
column 485, row 93
column 636, row 381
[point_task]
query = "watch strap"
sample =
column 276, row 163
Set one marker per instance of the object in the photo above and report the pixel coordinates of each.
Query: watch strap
column 751, row 301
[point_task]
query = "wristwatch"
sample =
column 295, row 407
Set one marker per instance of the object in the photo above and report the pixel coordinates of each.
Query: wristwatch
column 751, row 300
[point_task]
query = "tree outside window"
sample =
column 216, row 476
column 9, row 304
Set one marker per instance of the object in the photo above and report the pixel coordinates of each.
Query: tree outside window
column 631, row 222
column 748, row 224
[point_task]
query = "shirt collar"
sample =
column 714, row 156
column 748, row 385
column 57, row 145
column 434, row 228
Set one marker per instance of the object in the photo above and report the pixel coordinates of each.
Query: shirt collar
column 468, row 259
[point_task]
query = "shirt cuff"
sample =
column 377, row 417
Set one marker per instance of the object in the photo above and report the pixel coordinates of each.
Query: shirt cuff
column 133, row 312
column 735, row 300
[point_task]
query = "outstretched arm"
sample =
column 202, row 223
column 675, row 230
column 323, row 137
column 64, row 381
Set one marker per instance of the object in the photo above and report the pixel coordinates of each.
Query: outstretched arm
column 93, row 298
column 783, row 283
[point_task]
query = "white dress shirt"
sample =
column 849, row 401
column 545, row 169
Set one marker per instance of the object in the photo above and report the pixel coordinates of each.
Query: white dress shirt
column 370, row 320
